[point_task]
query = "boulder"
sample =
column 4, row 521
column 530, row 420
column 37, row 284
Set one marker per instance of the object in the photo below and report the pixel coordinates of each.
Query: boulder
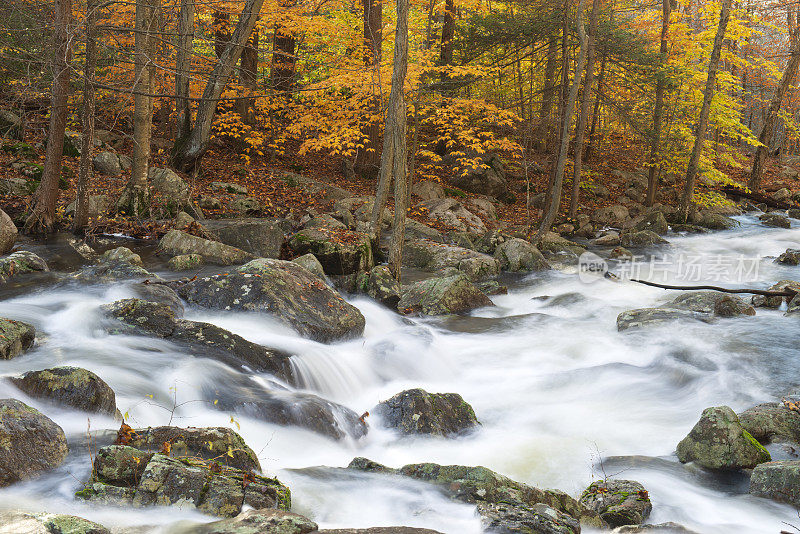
column 285, row 290
column 16, row 186
column 228, row 187
column 782, row 195
column 111, row 271
column 10, row 124
column 667, row 528
column 516, row 255
column 340, row 251
column 431, row 256
column 794, row 213
column 265, row 521
column 325, row 220
column 779, row 481
column 716, row 221
column 619, row 502
column 310, row 263
column 416, row 230
column 245, row 204
column 451, row 213
column 169, row 184
column 654, row 222
column 644, row 317
column 15, row 338
column 314, row 187
column 360, row 210
column 703, row 306
column 790, row 257
column 761, row 301
column 775, row 219
column 31, row 442
column 482, row 206
column 20, row 262
column 380, row 530
column 535, row 519
column 98, row 206
column 383, row 287
column 718, row 441
column 209, row 203
column 179, row 243
column 8, row 233
column 610, row 215
column 553, row 245
column 185, row 262
column 427, row 190
column 771, row 421
column 159, row 293
column 14, row 521
column 127, row 476
column 107, row 163
column 643, row 238
column 416, row 411
column 609, row 239
column 70, row 386
column 487, row 176
column 601, row 191
column 260, row 237
column 442, row 296
column 122, row 254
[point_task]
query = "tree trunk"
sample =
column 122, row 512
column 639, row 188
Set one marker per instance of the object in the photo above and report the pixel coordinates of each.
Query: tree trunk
column 248, row 77
column 283, row 56
column 396, row 136
column 448, row 32
column 183, row 69
column 584, row 116
column 42, row 218
column 569, row 106
column 702, row 122
column 188, row 150
column 661, row 84
column 222, row 31
column 368, row 158
column 134, row 199
column 766, row 135
column 548, row 93
column 596, row 113
column 81, row 217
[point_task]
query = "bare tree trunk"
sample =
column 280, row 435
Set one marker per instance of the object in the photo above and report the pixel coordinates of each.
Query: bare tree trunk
column 183, row 69
column 584, row 116
column 222, row 31
column 248, row 77
column 81, row 217
column 188, row 150
column 569, row 106
column 368, row 158
column 283, row 56
column 448, row 32
column 702, row 122
column 43, row 216
column 134, row 199
column 787, row 78
column 397, row 137
column 596, row 113
column 661, row 84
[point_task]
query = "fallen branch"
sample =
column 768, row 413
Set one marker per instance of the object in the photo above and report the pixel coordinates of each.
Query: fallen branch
column 785, row 293
column 756, row 197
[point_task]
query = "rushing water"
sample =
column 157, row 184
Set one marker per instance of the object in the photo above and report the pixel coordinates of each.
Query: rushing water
column 562, row 396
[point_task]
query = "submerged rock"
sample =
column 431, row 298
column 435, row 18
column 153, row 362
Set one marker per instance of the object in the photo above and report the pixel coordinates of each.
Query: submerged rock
column 667, row 528
column 416, row 411
column 442, row 296
column 14, row 521
column 771, row 421
column 15, row 338
column 126, row 476
column 30, row 442
column 340, row 251
column 539, row 518
column 285, row 290
column 71, row 386
column 432, row 256
column 718, row 441
column 264, row 521
column 619, row 502
column 179, row 243
column 777, row 220
column 779, row 481
column 703, row 306
column 644, row 317
column 790, row 257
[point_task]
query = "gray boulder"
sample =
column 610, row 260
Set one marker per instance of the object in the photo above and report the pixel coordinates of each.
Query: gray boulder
column 771, row 421
column 666, row 528
column 20, row 262
column 15, row 338
column 779, row 481
column 185, row 262
column 451, row 213
column 716, row 221
column 442, row 296
column 339, row 251
column 508, row 518
column 487, row 178
column 245, row 204
column 644, row 317
column 431, row 256
column 98, row 206
column 427, row 190
column 610, row 215
column 179, row 243
column 169, row 184
column 619, row 502
column 31, row 442
column 310, row 263
column 642, row 238
column 260, row 237
column 15, row 521
column 70, row 386
column 228, row 187
column 383, row 287
column 705, row 306
column 284, row 289
column 265, row 521
column 8, row 233
column 775, row 219
column 107, row 163
column 16, row 186
column 122, row 254
column 416, row 411
column 790, row 257
column 718, row 441
column 654, row 222
column 516, row 255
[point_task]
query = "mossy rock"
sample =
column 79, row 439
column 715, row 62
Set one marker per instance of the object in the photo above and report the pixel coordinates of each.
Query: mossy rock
column 70, row 386
column 416, row 411
column 619, row 502
column 15, row 338
column 442, row 296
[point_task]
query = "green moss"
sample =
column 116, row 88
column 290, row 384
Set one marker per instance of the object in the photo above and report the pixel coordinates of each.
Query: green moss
column 764, row 453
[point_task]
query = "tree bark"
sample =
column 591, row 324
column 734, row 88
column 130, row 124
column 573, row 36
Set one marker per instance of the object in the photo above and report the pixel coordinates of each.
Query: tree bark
column 585, row 104
column 183, row 69
column 368, row 158
column 596, row 112
column 188, row 150
column 702, row 122
column 283, row 56
column 134, row 199
column 248, row 77
column 661, row 84
column 81, row 217
column 569, row 106
column 43, row 216
column 767, row 130
column 448, row 32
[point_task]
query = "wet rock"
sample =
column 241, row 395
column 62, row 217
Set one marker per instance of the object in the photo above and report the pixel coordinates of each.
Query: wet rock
column 716, row 221
column 144, row 317
column 13, row 521
column 264, row 521
column 284, row 289
column 416, row 411
column 619, row 502
column 488, row 177
column 179, row 243
column 161, row 294
column 15, row 338
column 609, row 215
column 703, row 306
column 539, row 518
column 107, row 163
column 654, row 222
column 779, row 481
column 310, row 263
column 30, row 442
column 794, row 213
column 761, row 301
column 431, row 256
column 71, row 386
column 122, row 254
column 158, row 479
column 20, row 262
column 718, row 441
column 185, row 262
column 667, row 528
column 8, row 233
column 790, row 257
column 339, row 251
column 771, row 421
column 553, row 245
column 383, row 287
column 228, row 187
column 380, row 530
column 442, row 296
column 774, row 219
column 111, row 271
column 360, row 463
column 609, row 239
column 451, row 213
column 688, row 228
column 644, row 317
column 260, row 237
column 517, row 255
column 427, row 190
column 644, row 238
column 621, row 253
column 220, row 444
